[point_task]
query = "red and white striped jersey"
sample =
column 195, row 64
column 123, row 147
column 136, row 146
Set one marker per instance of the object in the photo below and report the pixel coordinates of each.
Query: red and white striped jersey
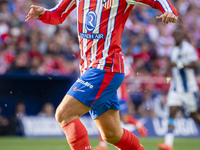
column 100, row 26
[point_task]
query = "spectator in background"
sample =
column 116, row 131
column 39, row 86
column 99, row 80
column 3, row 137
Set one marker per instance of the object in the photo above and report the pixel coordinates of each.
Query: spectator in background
column 47, row 110
column 4, row 125
column 20, row 111
column 21, row 64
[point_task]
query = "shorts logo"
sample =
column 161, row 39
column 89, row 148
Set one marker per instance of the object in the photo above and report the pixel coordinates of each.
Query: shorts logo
column 85, row 83
column 75, row 89
column 91, row 21
column 107, row 3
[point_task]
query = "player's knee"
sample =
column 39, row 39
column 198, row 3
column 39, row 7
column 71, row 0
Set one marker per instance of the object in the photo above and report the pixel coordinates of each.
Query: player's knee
column 64, row 115
column 111, row 137
column 58, row 115
column 61, row 116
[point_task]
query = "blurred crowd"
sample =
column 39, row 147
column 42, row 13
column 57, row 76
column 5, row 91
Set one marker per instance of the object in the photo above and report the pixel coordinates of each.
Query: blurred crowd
column 35, row 48
column 39, row 49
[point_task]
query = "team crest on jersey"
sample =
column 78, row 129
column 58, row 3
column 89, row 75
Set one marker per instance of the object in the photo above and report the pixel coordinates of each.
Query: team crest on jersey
column 107, row 3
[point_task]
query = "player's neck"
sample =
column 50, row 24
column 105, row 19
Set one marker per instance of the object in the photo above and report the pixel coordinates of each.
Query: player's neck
column 178, row 44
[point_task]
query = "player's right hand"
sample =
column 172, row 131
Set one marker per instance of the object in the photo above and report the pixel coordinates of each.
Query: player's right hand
column 168, row 17
column 35, row 12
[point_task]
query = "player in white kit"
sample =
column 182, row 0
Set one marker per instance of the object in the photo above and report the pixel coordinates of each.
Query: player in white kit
column 184, row 88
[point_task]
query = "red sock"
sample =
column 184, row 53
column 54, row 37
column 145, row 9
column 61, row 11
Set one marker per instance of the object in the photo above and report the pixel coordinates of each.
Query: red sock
column 100, row 138
column 77, row 135
column 131, row 119
column 101, row 141
column 129, row 142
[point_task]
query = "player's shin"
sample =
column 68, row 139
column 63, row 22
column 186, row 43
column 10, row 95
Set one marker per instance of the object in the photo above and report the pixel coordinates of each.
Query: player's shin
column 129, row 142
column 77, row 135
column 169, row 137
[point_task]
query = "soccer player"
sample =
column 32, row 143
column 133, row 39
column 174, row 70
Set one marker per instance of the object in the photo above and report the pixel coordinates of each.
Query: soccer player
column 100, row 25
column 184, row 87
column 123, row 97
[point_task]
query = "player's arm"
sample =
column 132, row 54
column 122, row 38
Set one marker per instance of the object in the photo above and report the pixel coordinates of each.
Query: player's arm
column 170, row 13
column 192, row 65
column 52, row 16
column 192, row 58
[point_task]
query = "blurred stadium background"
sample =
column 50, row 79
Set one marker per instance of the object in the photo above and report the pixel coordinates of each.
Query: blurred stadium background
column 39, row 62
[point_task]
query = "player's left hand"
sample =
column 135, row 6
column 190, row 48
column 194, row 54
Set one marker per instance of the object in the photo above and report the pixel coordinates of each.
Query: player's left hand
column 167, row 17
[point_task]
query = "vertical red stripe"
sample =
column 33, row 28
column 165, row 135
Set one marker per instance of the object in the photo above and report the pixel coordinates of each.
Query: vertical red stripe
column 80, row 16
column 122, row 63
column 93, row 5
column 106, row 81
column 116, row 63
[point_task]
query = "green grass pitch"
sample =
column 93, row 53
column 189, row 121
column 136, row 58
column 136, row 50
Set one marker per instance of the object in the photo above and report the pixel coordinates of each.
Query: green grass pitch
column 13, row 143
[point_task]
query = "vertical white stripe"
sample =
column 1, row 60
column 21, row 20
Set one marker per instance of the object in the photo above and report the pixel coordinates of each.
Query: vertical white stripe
column 167, row 5
column 94, row 47
column 110, row 28
column 163, row 5
column 85, row 11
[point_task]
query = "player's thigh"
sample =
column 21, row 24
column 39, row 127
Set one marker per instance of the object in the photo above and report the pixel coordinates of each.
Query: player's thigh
column 174, row 99
column 69, row 109
column 190, row 99
column 109, row 124
column 173, row 111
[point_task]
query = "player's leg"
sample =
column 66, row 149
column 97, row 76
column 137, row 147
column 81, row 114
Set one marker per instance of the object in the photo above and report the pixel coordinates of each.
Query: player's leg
column 174, row 101
column 102, row 144
column 192, row 101
column 67, row 115
column 112, row 132
column 125, row 118
column 169, row 137
column 195, row 117
column 128, row 119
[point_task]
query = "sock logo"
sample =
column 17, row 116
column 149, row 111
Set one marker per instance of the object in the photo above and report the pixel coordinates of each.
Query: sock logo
column 88, row 147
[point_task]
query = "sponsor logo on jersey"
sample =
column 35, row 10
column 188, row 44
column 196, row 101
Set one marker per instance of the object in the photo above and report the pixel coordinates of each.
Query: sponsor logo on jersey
column 75, row 89
column 107, row 3
column 91, row 36
column 85, row 83
column 91, row 21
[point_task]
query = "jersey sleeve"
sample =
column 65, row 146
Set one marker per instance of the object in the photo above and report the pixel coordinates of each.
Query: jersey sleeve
column 59, row 13
column 162, row 5
column 172, row 57
column 192, row 55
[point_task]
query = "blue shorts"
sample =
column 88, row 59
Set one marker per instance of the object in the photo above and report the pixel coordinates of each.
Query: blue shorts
column 123, row 107
column 97, row 89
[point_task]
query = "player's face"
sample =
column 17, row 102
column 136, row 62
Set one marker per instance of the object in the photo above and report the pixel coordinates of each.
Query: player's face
column 178, row 36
